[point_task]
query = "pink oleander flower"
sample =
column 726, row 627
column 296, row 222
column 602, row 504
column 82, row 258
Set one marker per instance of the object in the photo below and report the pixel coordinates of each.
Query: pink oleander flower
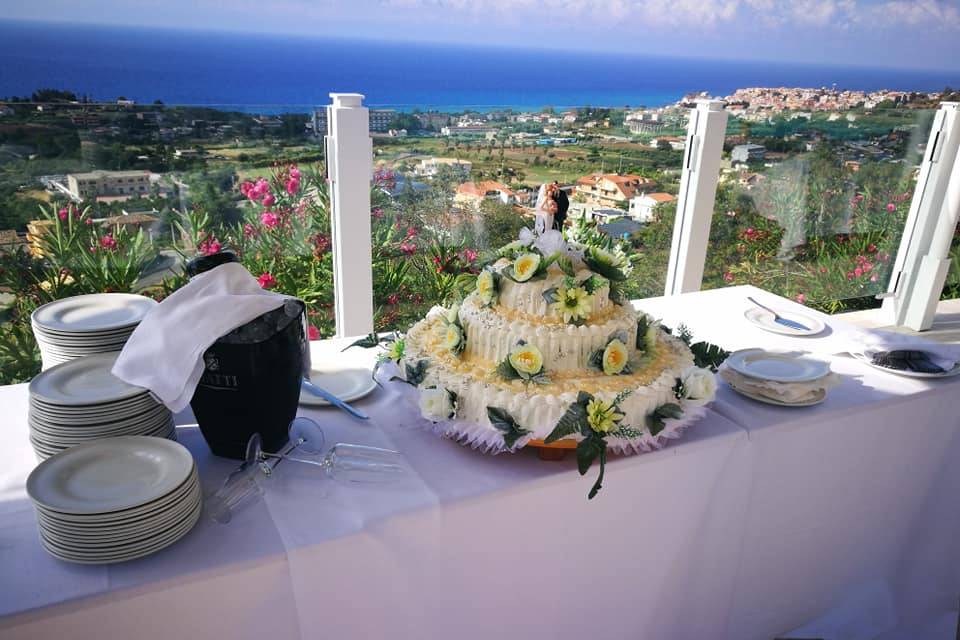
column 393, row 298
column 63, row 213
column 377, row 213
column 411, row 232
column 469, row 255
column 408, row 248
column 270, row 220
column 891, row 207
column 267, row 281
column 249, row 230
column 728, row 277
column 268, row 200
column 108, row 242
column 210, row 246
column 858, row 272
column 295, row 172
column 293, row 185
column 802, row 299
column 872, row 248
column 313, row 333
column 88, row 221
column 873, row 278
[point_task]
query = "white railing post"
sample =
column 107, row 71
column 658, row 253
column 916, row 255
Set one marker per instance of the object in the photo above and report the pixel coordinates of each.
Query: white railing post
column 350, row 169
column 923, row 258
column 698, row 189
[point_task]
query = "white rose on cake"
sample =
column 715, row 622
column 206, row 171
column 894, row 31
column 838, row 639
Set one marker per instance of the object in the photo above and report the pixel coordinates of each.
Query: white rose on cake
column 436, row 404
column 699, row 385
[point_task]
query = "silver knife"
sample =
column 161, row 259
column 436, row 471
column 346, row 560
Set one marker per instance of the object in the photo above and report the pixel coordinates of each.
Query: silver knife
column 780, row 319
column 332, row 399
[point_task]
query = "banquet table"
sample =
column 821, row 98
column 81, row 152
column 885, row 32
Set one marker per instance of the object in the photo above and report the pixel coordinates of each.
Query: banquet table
column 756, row 521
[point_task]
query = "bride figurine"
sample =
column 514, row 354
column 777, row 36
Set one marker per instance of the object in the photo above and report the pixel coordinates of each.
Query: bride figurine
column 545, row 209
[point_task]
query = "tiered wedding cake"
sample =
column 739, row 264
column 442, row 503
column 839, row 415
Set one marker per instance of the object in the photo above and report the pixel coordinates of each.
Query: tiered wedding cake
column 545, row 351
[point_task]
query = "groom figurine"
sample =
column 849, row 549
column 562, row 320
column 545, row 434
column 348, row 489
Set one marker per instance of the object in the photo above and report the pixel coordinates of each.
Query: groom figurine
column 563, row 203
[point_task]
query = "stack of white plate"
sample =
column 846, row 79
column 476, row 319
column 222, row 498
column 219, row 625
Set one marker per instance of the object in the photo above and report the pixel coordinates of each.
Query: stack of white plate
column 82, row 325
column 80, row 400
column 782, row 379
column 115, row 500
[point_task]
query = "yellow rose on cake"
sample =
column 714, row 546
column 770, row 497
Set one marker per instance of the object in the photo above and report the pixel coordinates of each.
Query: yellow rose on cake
column 615, row 358
column 525, row 266
column 526, row 359
column 486, row 288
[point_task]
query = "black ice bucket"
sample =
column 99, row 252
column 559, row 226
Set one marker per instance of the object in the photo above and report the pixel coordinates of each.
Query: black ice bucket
column 251, row 382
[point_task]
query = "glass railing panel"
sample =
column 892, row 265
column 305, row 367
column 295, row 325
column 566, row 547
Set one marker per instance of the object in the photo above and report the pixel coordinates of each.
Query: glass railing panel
column 450, row 189
column 117, row 197
column 812, row 205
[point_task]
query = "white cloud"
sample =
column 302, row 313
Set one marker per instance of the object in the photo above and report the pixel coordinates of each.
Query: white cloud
column 707, row 13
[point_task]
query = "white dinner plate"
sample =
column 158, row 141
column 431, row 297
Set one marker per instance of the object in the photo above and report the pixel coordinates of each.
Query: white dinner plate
column 138, row 530
column 124, row 555
column 867, row 358
column 60, row 427
column 127, row 516
column 110, row 475
column 131, row 406
column 764, row 319
column 93, row 312
column 84, row 381
column 87, row 337
column 52, row 436
column 821, row 396
column 776, row 367
column 346, row 384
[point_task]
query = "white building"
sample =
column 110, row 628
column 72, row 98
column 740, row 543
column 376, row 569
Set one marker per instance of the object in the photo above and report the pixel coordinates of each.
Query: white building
column 643, row 207
column 748, row 153
column 428, row 167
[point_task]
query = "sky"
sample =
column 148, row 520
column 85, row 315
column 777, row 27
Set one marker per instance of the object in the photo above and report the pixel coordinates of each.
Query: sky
column 888, row 33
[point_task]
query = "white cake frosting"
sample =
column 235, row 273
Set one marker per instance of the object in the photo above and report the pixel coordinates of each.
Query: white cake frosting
column 527, row 297
column 492, row 334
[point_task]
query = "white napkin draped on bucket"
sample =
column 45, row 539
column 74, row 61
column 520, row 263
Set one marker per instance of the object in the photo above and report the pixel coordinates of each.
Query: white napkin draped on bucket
column 165, row 353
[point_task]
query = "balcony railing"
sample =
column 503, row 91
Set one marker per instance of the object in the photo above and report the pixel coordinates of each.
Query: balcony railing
column 343, row 220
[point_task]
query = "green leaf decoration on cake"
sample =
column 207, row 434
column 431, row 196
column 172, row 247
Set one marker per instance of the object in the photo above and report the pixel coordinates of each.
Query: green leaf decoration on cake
column 647, row 331
column 708, row 356
column 504, row 422
column 591, row 448
column 594, row 420
column 655, row 421
column 605, row 263
column 416, row 372
column 566, row 265
column 573, row 421
column 592, row 284
column 366, row 342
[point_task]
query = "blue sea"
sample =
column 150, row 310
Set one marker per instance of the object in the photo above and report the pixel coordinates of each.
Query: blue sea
column 286, row 73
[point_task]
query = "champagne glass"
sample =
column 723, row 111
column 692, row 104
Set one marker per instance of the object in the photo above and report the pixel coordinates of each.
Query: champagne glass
column 345, row 462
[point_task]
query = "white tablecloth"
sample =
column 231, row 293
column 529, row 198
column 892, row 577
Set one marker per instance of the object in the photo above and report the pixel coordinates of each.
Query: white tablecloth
column 757, row 521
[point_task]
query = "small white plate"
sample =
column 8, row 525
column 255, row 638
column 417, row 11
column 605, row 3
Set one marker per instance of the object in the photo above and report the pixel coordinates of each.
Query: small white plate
column 867, row 358
column 84, row 381
column 764, row 399
column 346, row 384
column 776, row 367
column 94, row 312
column 764, row 320
column 110, row 475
